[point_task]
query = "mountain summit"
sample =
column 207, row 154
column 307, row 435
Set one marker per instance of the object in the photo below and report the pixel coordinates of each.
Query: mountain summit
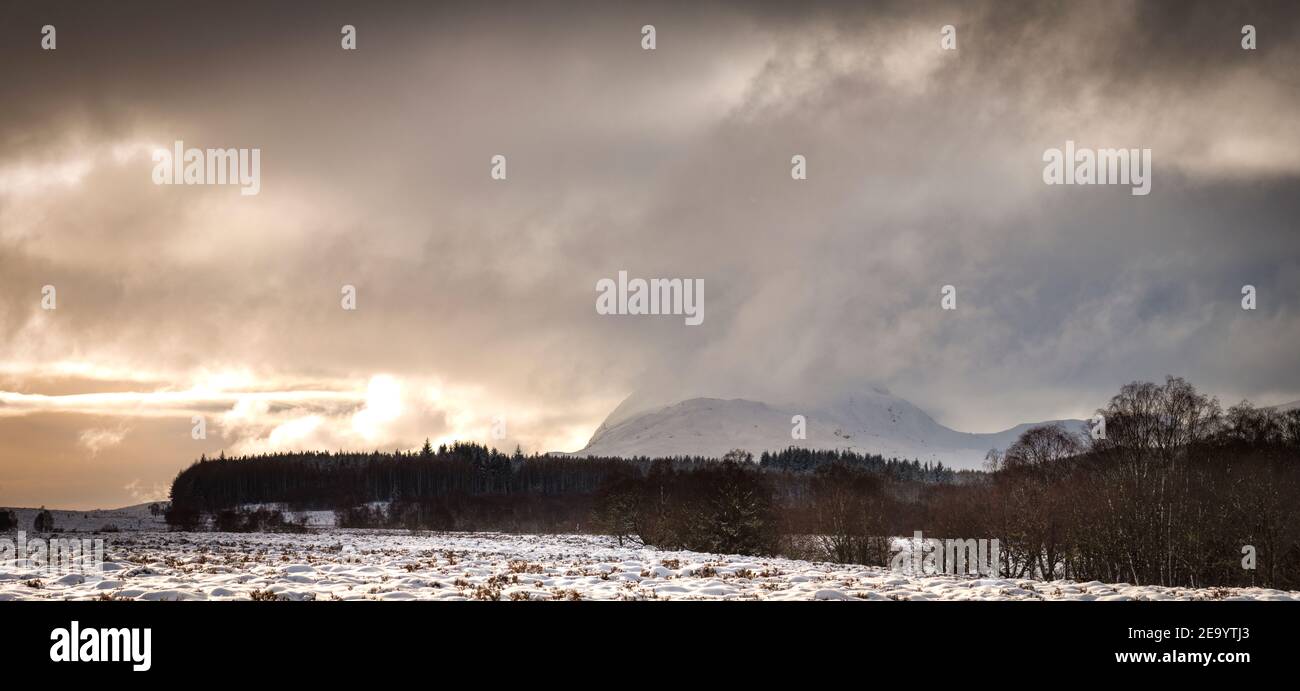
column 871, row 422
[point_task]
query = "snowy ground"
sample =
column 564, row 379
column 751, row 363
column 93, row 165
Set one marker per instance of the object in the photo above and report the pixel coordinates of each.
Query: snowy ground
column 377, row 565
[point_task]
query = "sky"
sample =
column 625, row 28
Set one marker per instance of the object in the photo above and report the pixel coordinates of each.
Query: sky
column 475, row 297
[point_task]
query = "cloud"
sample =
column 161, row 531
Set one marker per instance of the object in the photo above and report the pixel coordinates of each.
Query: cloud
column 141, row 493
column 924, row 170
column 95, row 439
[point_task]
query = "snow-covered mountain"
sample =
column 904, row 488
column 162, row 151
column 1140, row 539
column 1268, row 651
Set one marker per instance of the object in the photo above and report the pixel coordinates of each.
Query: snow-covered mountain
column 872, row 422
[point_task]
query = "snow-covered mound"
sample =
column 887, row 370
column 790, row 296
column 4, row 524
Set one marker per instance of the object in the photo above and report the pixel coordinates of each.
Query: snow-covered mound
column 872, row 422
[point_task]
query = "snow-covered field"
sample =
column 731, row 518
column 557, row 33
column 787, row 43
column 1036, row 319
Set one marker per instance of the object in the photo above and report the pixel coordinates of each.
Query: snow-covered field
column 378, row 565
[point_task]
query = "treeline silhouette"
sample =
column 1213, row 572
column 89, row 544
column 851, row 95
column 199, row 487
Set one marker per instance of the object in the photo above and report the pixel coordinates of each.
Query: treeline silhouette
column 1177, row 492
column 464, row 486
column 801, row 460
column 459, row 487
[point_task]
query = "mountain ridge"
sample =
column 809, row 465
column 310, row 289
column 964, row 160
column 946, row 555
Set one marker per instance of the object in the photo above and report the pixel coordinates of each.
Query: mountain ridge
column 873, row 422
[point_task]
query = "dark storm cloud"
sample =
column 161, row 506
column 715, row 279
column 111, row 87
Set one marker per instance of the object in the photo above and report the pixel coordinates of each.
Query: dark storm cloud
column 924, row 170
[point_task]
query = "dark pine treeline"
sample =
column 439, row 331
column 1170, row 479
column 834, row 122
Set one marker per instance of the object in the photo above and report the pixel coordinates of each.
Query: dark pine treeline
column 323, row 480
column 317, row 480
column 467, row 486
column 463, row 486
column 800, row 460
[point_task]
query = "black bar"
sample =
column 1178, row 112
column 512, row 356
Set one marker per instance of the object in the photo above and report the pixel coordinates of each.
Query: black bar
column 715, row 639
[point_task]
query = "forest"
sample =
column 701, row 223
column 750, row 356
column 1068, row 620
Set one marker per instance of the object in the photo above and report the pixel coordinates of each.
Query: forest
column 1177, row 492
